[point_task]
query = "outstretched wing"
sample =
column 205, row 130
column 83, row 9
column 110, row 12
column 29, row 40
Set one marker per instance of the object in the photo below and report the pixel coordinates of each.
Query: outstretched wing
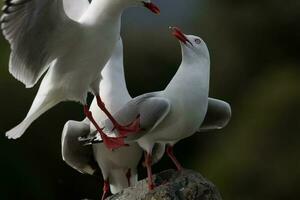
column 217, row 117
column 74, row 153
column 35, row 30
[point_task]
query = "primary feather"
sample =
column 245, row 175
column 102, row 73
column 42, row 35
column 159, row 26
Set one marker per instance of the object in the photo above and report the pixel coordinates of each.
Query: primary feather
column 33, row 28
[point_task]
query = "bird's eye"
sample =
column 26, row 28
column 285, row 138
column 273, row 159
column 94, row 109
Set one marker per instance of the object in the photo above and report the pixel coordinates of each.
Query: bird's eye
column 198, row 41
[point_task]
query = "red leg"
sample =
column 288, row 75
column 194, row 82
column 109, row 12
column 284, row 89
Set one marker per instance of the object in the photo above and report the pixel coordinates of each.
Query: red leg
column 133, row 127
column 128, row 176
column 173, row 158
column 110, row 142
column 106, row 190
column 148, row 163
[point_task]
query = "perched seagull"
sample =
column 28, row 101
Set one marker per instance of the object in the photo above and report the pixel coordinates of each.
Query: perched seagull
column 73, row 52
column 177, row 112
column 119, row 167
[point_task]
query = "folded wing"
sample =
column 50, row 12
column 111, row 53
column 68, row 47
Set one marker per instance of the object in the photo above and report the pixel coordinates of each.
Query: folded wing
column 151, row 110
column 35, row 30
column 74, row 153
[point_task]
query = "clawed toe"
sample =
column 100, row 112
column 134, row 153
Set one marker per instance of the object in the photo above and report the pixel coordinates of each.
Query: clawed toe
column 113, row 143
column 132, row 128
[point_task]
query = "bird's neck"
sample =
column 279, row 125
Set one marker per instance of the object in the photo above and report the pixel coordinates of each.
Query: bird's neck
column 113, row 84
column 102, row 11
column 192, row 73
column 194, row 65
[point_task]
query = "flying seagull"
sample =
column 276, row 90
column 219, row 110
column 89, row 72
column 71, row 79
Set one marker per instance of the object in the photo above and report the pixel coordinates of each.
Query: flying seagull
column 118, row 167
column 72, row 53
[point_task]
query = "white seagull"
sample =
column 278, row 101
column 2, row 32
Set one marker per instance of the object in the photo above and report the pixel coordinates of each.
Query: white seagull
column 177, row 112
column 118, row 167
column 73, row 52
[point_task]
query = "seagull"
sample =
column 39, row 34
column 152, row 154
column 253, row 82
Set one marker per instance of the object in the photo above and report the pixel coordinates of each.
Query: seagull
column 71, row 53
column 177, row 112
column 118, row 167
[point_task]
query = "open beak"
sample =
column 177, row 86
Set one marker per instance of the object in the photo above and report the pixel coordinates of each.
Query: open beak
column 152, row 7
column 180, row 35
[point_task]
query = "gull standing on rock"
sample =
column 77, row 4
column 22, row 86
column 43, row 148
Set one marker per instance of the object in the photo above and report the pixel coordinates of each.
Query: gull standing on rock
column 73, row 52
column 177, row 112
column 118, row 167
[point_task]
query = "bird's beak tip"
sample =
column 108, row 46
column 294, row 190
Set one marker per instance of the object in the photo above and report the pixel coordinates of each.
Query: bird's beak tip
column 152, row 7
column 179, row 34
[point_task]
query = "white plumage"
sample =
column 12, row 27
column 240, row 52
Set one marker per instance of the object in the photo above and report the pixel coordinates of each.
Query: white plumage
column 73, row 47
column 177, row 112
column 116, row 164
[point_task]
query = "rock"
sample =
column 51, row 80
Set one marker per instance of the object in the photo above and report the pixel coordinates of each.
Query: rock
column 172, row 185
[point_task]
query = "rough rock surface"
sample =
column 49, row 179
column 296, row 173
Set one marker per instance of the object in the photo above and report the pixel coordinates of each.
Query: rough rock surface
column 172, row 185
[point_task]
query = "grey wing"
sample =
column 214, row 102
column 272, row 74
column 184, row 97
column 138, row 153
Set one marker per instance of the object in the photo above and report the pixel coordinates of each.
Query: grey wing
column 217, row 117
column 151, row 109
column 35, row 30
column 74, row 153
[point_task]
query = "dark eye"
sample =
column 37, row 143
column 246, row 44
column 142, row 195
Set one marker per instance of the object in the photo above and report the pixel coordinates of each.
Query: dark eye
column 198, row 41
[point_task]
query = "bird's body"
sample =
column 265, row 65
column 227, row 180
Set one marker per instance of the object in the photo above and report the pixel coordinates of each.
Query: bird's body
column 74, row 51
column 113, row 87
column 187, row 107
column 116, row 164
column 78, row 71
column 118, row 167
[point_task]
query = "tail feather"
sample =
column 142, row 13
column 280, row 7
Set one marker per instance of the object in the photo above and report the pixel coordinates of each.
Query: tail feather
column 40, row 105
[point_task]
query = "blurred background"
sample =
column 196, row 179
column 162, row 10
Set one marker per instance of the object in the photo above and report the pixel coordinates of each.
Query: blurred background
column 254, row 48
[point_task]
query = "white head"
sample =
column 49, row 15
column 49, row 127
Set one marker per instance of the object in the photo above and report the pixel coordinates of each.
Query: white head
column 192, row 46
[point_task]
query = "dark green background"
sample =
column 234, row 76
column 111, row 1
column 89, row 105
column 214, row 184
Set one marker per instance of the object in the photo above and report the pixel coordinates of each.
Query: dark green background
column 254, row 47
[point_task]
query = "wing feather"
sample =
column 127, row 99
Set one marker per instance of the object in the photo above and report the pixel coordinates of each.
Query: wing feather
column 33, row 28
column 151, row 108
column 217, row 117
column 74, row 154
